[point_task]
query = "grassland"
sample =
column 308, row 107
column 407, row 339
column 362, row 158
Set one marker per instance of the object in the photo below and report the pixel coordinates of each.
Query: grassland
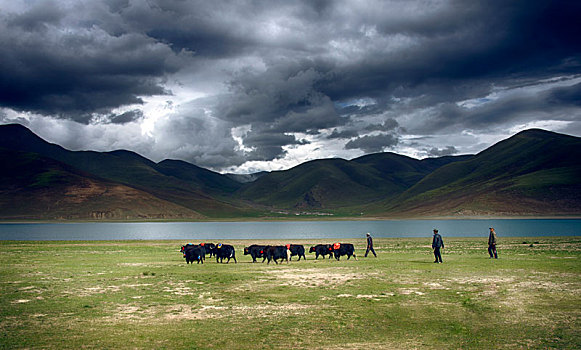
column 141, row 294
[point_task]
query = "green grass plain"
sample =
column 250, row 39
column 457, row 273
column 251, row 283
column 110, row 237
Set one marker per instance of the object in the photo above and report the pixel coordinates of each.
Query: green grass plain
column 142, row 295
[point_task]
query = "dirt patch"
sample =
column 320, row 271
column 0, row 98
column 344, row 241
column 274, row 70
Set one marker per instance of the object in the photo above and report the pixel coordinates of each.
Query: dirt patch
column 178, row 312
column 409, row 291
column 435, row 285
column 179, row 289
column 375, row 297
column 20, row 301
column 490, row 289
column 483, row 280
column 104, row 289
column 411, row 344
column 29, row 289
column 185, row 312
column 547, row 286
column 312, row 278
column 206, row 298
column 125, row 312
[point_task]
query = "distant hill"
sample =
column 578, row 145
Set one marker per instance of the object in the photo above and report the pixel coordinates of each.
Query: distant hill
column 535, row 172
column 199, row 191
column 245, row 178
column 35, row 187
column 338, row 183
column 206, row 180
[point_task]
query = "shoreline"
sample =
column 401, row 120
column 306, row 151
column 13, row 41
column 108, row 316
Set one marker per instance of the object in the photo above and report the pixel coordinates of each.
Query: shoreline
column 262, row 240
column 299, row 219
column 284, row 230
column 243, row 241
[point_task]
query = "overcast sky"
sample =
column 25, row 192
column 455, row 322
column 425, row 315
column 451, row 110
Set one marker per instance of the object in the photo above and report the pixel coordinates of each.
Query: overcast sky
column 242, row 86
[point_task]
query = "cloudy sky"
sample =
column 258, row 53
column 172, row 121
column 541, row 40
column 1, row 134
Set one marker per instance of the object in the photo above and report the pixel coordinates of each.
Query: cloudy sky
column 242, row 86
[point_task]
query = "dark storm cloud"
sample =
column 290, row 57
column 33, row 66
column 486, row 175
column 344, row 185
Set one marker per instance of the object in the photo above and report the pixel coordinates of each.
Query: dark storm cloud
column 224, row 29
column 436, row 152
column 268, row 145
column 281, row 100
column 126, row 117
column 283, row 69
column 509, row 108
column 284, row 87
column 388, row 125
column 473, row 43
column 565, row 96
column 190, row 134
column 344, row 134
column 376, row 143
column 206, row 28
column 38, row 17
column 72, row 73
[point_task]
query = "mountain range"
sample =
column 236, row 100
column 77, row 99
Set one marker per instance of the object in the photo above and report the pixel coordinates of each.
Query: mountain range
column 533, row 173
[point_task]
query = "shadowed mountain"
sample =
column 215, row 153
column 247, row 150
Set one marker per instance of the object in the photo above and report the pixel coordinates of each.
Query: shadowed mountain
column 35, row 187
column 246, row 178
column 533, row 172
column 167, row 180
column 338, row 183
column 204, row 179
column 404, row 170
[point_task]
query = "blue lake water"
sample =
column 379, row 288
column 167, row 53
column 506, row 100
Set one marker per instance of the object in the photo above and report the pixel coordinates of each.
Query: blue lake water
column 288, row 229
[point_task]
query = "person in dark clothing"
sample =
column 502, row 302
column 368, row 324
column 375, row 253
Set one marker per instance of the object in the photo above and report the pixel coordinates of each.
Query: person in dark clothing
column 492, row 244
column 370, row 246
column 437, row 243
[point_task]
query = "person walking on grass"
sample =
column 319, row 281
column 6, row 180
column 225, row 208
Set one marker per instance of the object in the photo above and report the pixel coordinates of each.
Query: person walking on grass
column 370, row 245
column 437, row 244
column 492, row 244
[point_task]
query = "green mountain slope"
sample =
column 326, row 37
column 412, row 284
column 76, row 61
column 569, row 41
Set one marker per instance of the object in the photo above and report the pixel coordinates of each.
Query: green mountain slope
column 533, row 172
column 402, row 170
column 327, row 183
column 35, row 187
column 337, row 183
column 197, row 193
column 205, row 180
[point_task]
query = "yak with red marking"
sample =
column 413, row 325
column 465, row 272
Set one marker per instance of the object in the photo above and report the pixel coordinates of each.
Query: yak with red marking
column 322, row 250
column 256, row 251
column 194, row 253
column 277, row 252
column 341, row 249
column 209, row 247
column 186, row 247
column 296, row 250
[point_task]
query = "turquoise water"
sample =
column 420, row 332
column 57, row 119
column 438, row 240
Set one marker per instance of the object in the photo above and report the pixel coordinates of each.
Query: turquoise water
column 288, row 230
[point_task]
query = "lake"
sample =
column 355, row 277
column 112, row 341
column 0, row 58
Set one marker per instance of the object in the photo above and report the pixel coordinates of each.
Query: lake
column 196, row 231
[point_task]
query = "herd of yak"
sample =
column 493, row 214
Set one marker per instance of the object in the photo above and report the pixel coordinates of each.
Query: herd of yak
column 198, row 252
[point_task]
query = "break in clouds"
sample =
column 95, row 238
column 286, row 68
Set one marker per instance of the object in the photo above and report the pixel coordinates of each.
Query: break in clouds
column 245, row 86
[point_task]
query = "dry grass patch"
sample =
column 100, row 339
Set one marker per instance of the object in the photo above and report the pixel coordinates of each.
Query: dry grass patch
column 178, row 288
column 90, row 291
column 178, row 312
column 312, row 278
